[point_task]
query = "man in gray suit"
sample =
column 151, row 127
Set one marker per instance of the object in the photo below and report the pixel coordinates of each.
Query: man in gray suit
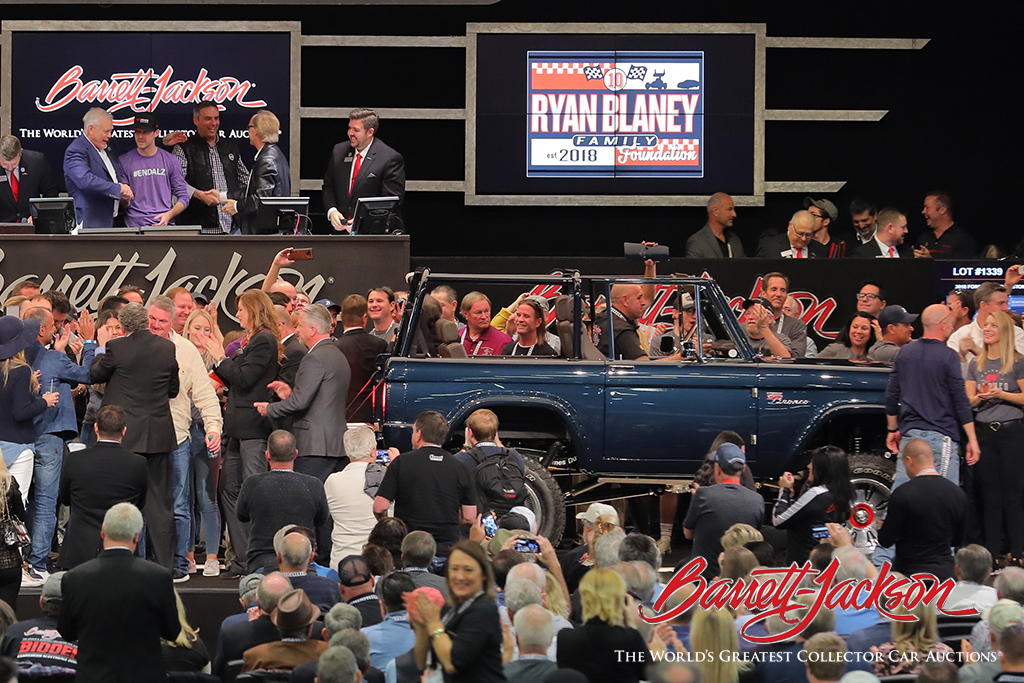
column 317, row 402
column 715, row 240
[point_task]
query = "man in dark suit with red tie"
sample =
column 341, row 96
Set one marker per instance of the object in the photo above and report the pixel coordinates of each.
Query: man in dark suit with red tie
column 118, row 607
column 141, row 373
column 26, row 174
column 362, row 167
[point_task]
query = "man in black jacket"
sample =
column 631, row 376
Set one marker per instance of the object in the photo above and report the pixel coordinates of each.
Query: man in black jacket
column 213, row 166
column 361, row 167
column 361, row 349
column 25, row 175
column 888, row 240
column 142, row 375
column 94, row 480
column 118, row 607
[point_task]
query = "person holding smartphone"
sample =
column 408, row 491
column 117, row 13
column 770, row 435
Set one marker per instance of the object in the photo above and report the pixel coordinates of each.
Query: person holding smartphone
column 825, row 498
column 995, row 387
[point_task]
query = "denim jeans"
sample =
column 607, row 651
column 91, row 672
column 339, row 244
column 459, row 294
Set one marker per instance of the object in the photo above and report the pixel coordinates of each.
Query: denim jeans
column 947, row 463
column 205, row 471
column 181, row 488
column 42, row 511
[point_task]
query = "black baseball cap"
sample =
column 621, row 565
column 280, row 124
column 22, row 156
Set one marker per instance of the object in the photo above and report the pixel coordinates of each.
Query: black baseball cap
column 146, row 122
column 353, row 571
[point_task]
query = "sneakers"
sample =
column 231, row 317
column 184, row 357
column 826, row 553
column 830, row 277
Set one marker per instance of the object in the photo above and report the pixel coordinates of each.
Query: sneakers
column 179, row 576
column 33, row 577
column 664, row 545
column 211, row 568
column 191, row 566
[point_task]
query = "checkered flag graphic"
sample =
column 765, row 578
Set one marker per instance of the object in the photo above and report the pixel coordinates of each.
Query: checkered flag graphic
column 593, row 73
column 637, row 72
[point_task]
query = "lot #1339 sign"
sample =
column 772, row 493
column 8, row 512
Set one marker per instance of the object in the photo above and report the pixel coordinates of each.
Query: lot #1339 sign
column 596, row 114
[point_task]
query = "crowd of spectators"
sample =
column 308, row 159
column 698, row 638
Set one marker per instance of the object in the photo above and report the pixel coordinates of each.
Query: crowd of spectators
column 358, row 563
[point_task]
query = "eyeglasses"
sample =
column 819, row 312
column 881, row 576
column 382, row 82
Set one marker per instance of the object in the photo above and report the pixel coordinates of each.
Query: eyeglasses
column 866, row 296
column 804, row 235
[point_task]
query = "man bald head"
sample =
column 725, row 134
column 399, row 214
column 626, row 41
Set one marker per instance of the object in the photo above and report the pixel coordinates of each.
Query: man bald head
column 628, row 300
column 937, row 321
column 295, row 554
column 288, row 289
column 721, row 211
column 918, row 456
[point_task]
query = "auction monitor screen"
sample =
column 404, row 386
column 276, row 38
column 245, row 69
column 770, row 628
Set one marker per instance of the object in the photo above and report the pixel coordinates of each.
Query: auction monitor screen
column 282, row 215
column 967, row 275
column 591, row 114
column 56, row 215
column 374, row 215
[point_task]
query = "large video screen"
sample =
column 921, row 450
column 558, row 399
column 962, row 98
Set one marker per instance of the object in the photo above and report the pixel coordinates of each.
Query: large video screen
column 615, row 114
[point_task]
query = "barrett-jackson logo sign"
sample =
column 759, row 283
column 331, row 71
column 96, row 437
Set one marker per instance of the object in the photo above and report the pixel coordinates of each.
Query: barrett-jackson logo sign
column 144, row 90
column 87, row 282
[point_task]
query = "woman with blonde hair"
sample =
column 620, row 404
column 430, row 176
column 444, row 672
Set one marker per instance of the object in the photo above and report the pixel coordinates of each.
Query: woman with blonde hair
column 915, row 642
column 205, row 464
column 995, row 387
column 713, row 632
column 739, row 535
column 591, row 648
column 247, row 376
column 270, row 176
column 187, row 652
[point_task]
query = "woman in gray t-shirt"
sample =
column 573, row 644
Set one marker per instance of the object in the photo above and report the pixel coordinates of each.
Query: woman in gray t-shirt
column 995, row 386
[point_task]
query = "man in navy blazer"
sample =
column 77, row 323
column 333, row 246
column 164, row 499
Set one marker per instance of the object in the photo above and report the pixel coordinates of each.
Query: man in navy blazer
column 94, row 178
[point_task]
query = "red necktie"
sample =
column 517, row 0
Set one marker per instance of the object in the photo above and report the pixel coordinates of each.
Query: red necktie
column 14, row 186
column 799, row 253
column 355, row 172
column 892, row 253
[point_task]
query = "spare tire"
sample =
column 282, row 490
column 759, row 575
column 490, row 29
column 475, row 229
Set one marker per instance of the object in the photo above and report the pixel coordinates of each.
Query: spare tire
column 871, row 476
column 545, row 498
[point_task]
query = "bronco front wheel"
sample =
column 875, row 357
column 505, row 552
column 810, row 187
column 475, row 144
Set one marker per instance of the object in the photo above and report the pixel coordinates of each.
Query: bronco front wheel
column 545, row 499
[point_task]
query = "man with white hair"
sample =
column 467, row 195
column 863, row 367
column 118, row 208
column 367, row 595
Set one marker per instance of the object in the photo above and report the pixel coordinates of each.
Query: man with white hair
column 350, row 505
column 317, row 403
column 972, row 567
column 119, row 599
column 534, row 631
column 854, row 565
column 532, row 573
column 93, row 178
column 194, row 389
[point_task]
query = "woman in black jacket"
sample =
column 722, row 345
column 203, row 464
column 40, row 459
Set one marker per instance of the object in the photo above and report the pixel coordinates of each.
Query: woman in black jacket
column 826, row 497
column 270, row 175
column 246, row 376
column 464, row 640
column 20, row 401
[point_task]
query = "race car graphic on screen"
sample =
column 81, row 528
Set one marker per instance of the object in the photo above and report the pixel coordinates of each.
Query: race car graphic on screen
column 615, row 114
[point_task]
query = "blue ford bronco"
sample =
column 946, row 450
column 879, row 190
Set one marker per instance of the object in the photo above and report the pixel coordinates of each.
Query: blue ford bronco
column 596, row 429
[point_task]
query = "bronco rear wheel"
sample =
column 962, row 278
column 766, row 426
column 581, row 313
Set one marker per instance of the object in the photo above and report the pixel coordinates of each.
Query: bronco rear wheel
column 545, row 499
column 872, row 477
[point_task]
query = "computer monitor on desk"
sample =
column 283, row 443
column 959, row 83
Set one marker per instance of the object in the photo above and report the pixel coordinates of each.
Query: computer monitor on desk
column 55, row 215
column 376, row 216
column 282, row 215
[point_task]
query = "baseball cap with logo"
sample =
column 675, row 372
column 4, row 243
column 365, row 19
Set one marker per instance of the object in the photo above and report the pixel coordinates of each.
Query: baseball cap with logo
column 1003, row 614
column 249, row 582
column 146, row 122
column 329, row 305
column 823, row 204
column 894, row 314
column 596, row 511
column 353, row 571
column 730, row 454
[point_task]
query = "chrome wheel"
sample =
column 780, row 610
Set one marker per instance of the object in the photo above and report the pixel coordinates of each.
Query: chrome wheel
column 870, row 501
